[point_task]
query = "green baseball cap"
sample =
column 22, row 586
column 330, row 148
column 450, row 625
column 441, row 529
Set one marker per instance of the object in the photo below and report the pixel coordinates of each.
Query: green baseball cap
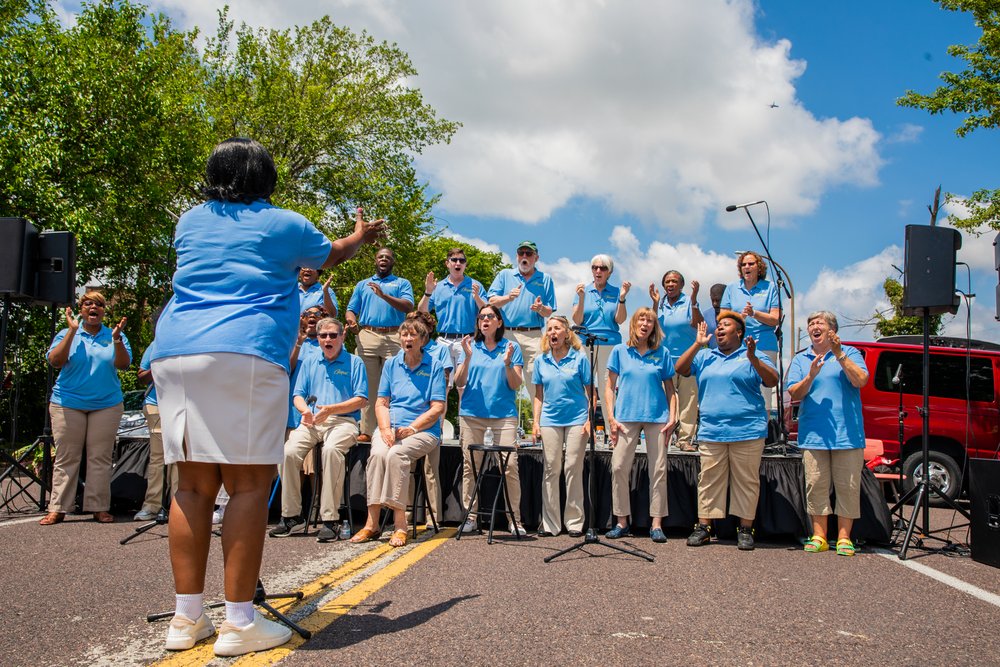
column 528, row 244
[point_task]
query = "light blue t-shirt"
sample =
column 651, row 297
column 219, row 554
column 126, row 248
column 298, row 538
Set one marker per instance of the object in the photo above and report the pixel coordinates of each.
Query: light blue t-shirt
column 830, row 414
column 675, row 322
column 313, row 296
column 236, row 279
column 455, row 305
column 331, row 382
column 487, row 394
column 763, row 297
column 641, row 397
column 145, row 364
column 374, row 311
column 411, row 391
column 599, row 312
column 564, row 385
column 310, row 348
column 518, row 312
column 441, row 353
column 730, row 405
column 710, row 325
column 89, row 380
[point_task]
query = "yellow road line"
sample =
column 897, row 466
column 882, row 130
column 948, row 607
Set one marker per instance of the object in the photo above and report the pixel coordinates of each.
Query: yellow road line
column 347, row 601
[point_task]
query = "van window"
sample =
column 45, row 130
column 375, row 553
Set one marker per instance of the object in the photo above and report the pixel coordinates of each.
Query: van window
column 947, row 375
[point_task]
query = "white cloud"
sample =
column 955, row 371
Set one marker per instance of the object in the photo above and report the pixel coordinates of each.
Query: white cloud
column 661, row 110
column 977, row 249
column 485, row 246
column 907, row 133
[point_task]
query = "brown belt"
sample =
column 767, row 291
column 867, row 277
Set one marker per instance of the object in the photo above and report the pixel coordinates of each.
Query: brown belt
column 525, row 328
column 381, row 330
column 453, row 336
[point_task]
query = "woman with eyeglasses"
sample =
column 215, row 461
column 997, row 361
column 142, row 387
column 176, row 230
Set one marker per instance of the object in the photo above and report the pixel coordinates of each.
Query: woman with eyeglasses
column 86, row 407
column 600, row 308
column 489, row 375
column 756, row 299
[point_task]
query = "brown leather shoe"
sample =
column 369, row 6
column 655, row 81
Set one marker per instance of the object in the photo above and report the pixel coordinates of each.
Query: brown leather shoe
column 364, row 437
column 52, row 518
column 104, row 517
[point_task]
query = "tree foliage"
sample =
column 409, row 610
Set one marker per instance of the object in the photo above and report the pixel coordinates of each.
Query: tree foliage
column 973, row 93
column 899, row 324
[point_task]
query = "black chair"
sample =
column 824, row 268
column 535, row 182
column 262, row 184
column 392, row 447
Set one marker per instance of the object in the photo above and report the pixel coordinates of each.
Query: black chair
column 494, row 463
column 317, row 486
column 419, row 484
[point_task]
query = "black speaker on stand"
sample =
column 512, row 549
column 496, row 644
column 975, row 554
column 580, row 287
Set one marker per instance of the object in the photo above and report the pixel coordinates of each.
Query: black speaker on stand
column 984, row 494
column 55, row 269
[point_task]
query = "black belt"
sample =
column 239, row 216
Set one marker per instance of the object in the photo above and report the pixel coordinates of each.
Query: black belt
column 453, row 336
column 380, row 329
column 525, row 328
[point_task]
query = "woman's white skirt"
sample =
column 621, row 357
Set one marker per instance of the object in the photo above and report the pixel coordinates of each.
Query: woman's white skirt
column 221, row 407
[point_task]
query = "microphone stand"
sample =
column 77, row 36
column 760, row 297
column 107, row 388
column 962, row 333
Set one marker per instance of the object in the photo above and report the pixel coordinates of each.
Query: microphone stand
column 782, row 288
column 590, row 535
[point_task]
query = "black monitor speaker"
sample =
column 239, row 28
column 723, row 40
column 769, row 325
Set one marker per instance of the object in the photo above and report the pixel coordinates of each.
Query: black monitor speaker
column 56, row 269
column 984, row 494
column 929, row 272
column 18, row 241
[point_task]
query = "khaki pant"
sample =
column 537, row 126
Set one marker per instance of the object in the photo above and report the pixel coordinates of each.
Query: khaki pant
column 337, row 435
column 841, row 466
column 553, row 438
column 601, row 368
column 732, row 467
column 374, row 349
column 504, row 433
column 389, row 468
column 621, row 468
column 153, row 501
column 72, row 430
column 530, row 343
column 687, row 408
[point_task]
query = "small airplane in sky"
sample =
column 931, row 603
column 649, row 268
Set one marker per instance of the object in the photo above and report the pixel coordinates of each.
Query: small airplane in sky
column 774, row 105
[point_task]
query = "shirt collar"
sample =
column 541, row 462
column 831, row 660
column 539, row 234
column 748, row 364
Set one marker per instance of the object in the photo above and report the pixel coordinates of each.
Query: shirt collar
column 388, row 279
column 717, row 352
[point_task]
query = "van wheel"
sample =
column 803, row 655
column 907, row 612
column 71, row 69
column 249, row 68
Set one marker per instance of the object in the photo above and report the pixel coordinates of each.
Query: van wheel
column 945, row 473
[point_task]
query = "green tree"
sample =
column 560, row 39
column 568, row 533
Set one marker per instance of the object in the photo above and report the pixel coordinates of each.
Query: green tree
column 973, row 93
column 899, row 324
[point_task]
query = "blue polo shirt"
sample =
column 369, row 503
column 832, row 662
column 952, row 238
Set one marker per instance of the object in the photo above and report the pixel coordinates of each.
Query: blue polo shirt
column 730, row 405
column 487, row 394
column 313, row 296
column 145, row 364
column 641, row 397
column 410, row 391
column 675, row 322
column 830, row 414
column 764, row 297
column 518, row 312
column 375, row 311
column 455, row 305
column 335, row 381
column 599, row 312
column 564, row 384
column 310, row 348
column 236, row 278
column 710, row 323
column 441, row 353
column 89, row 380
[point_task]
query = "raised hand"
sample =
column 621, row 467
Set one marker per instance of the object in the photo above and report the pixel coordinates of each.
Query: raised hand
column 537, row 305
column 429, row 282
column 475, row 289
column 751, row 346
column 508, row 355
column 695, row 286
column 326, row 283
column 834, row 339
column 816, row 366
column 654, row 293
column 514, row 293
column 370, row 230
column 626, row 286
column 117, row 331
column 71, row 321
column 467, row 346
column 747, row 310
column 702, row 337
column 581, row 290
column 377, row 289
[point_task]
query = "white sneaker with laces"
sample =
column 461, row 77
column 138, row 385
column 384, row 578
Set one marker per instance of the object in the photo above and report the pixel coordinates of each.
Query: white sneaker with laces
column 183, row 633
column 217, row 516
column 260, row 635
column 471, row 525
column 144, row 515
column 518, row 529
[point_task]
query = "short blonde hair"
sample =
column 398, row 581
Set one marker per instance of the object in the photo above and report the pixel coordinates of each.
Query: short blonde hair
column 92, row 295
column 655, row 336
column 573, row 340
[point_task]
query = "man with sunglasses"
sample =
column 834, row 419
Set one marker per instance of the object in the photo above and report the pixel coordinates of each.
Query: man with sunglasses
column 456, row 301
column 526, row 296
column 336, row 378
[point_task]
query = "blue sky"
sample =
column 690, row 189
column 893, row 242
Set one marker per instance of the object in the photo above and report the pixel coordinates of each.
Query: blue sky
column 626, row 128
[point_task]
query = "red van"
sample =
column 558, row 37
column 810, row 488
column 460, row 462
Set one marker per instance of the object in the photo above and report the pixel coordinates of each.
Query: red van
column 959, row 428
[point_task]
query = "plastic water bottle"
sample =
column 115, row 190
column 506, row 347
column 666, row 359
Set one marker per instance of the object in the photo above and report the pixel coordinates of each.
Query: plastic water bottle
column 599, row 437
column 488, row 437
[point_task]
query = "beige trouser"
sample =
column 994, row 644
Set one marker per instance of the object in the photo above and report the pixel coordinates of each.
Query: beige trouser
column 530, row 343
column 843, row 467
column 504, row 433
column 154, row 471
column 601, row 370
column 553, row 438
column 687, row 408
column 338, row 434
column 621, row 468
column 374, row 349
column 71, row 431
column 732, row 467
column 389, row 468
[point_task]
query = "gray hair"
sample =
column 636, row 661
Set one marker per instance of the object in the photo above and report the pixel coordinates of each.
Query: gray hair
column 830, row 318
column 605, row 260
column 330, row 321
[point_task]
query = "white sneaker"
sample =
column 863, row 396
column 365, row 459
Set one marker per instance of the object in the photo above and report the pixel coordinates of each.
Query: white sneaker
column 260, row 635
column 144, row 515
column 217, row 516
column 518, row 529
column 183, row 633
column 471, row 525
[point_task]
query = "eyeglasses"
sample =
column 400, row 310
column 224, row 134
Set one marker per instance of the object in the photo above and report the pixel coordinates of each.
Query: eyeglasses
column 487, row 316
column 460, row 260
column 527, row 252
column 595, row 267
column 315, row 313
column 328, row 335
column 753, row 263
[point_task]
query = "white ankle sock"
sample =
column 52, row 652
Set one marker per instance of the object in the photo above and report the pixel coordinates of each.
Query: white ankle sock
column 240, row 614
column 190, row 604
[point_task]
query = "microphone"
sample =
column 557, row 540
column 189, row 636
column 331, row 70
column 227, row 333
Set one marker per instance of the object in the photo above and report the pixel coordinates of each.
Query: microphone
column 310, row 401
column 733, row 207
column 579, row 328
column 896, row 377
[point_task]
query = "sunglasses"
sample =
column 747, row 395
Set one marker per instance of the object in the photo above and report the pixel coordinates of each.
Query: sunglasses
column 595, row 267
column 460, row 260
column 487, row 316
column 525, row 253
column 328, row 335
